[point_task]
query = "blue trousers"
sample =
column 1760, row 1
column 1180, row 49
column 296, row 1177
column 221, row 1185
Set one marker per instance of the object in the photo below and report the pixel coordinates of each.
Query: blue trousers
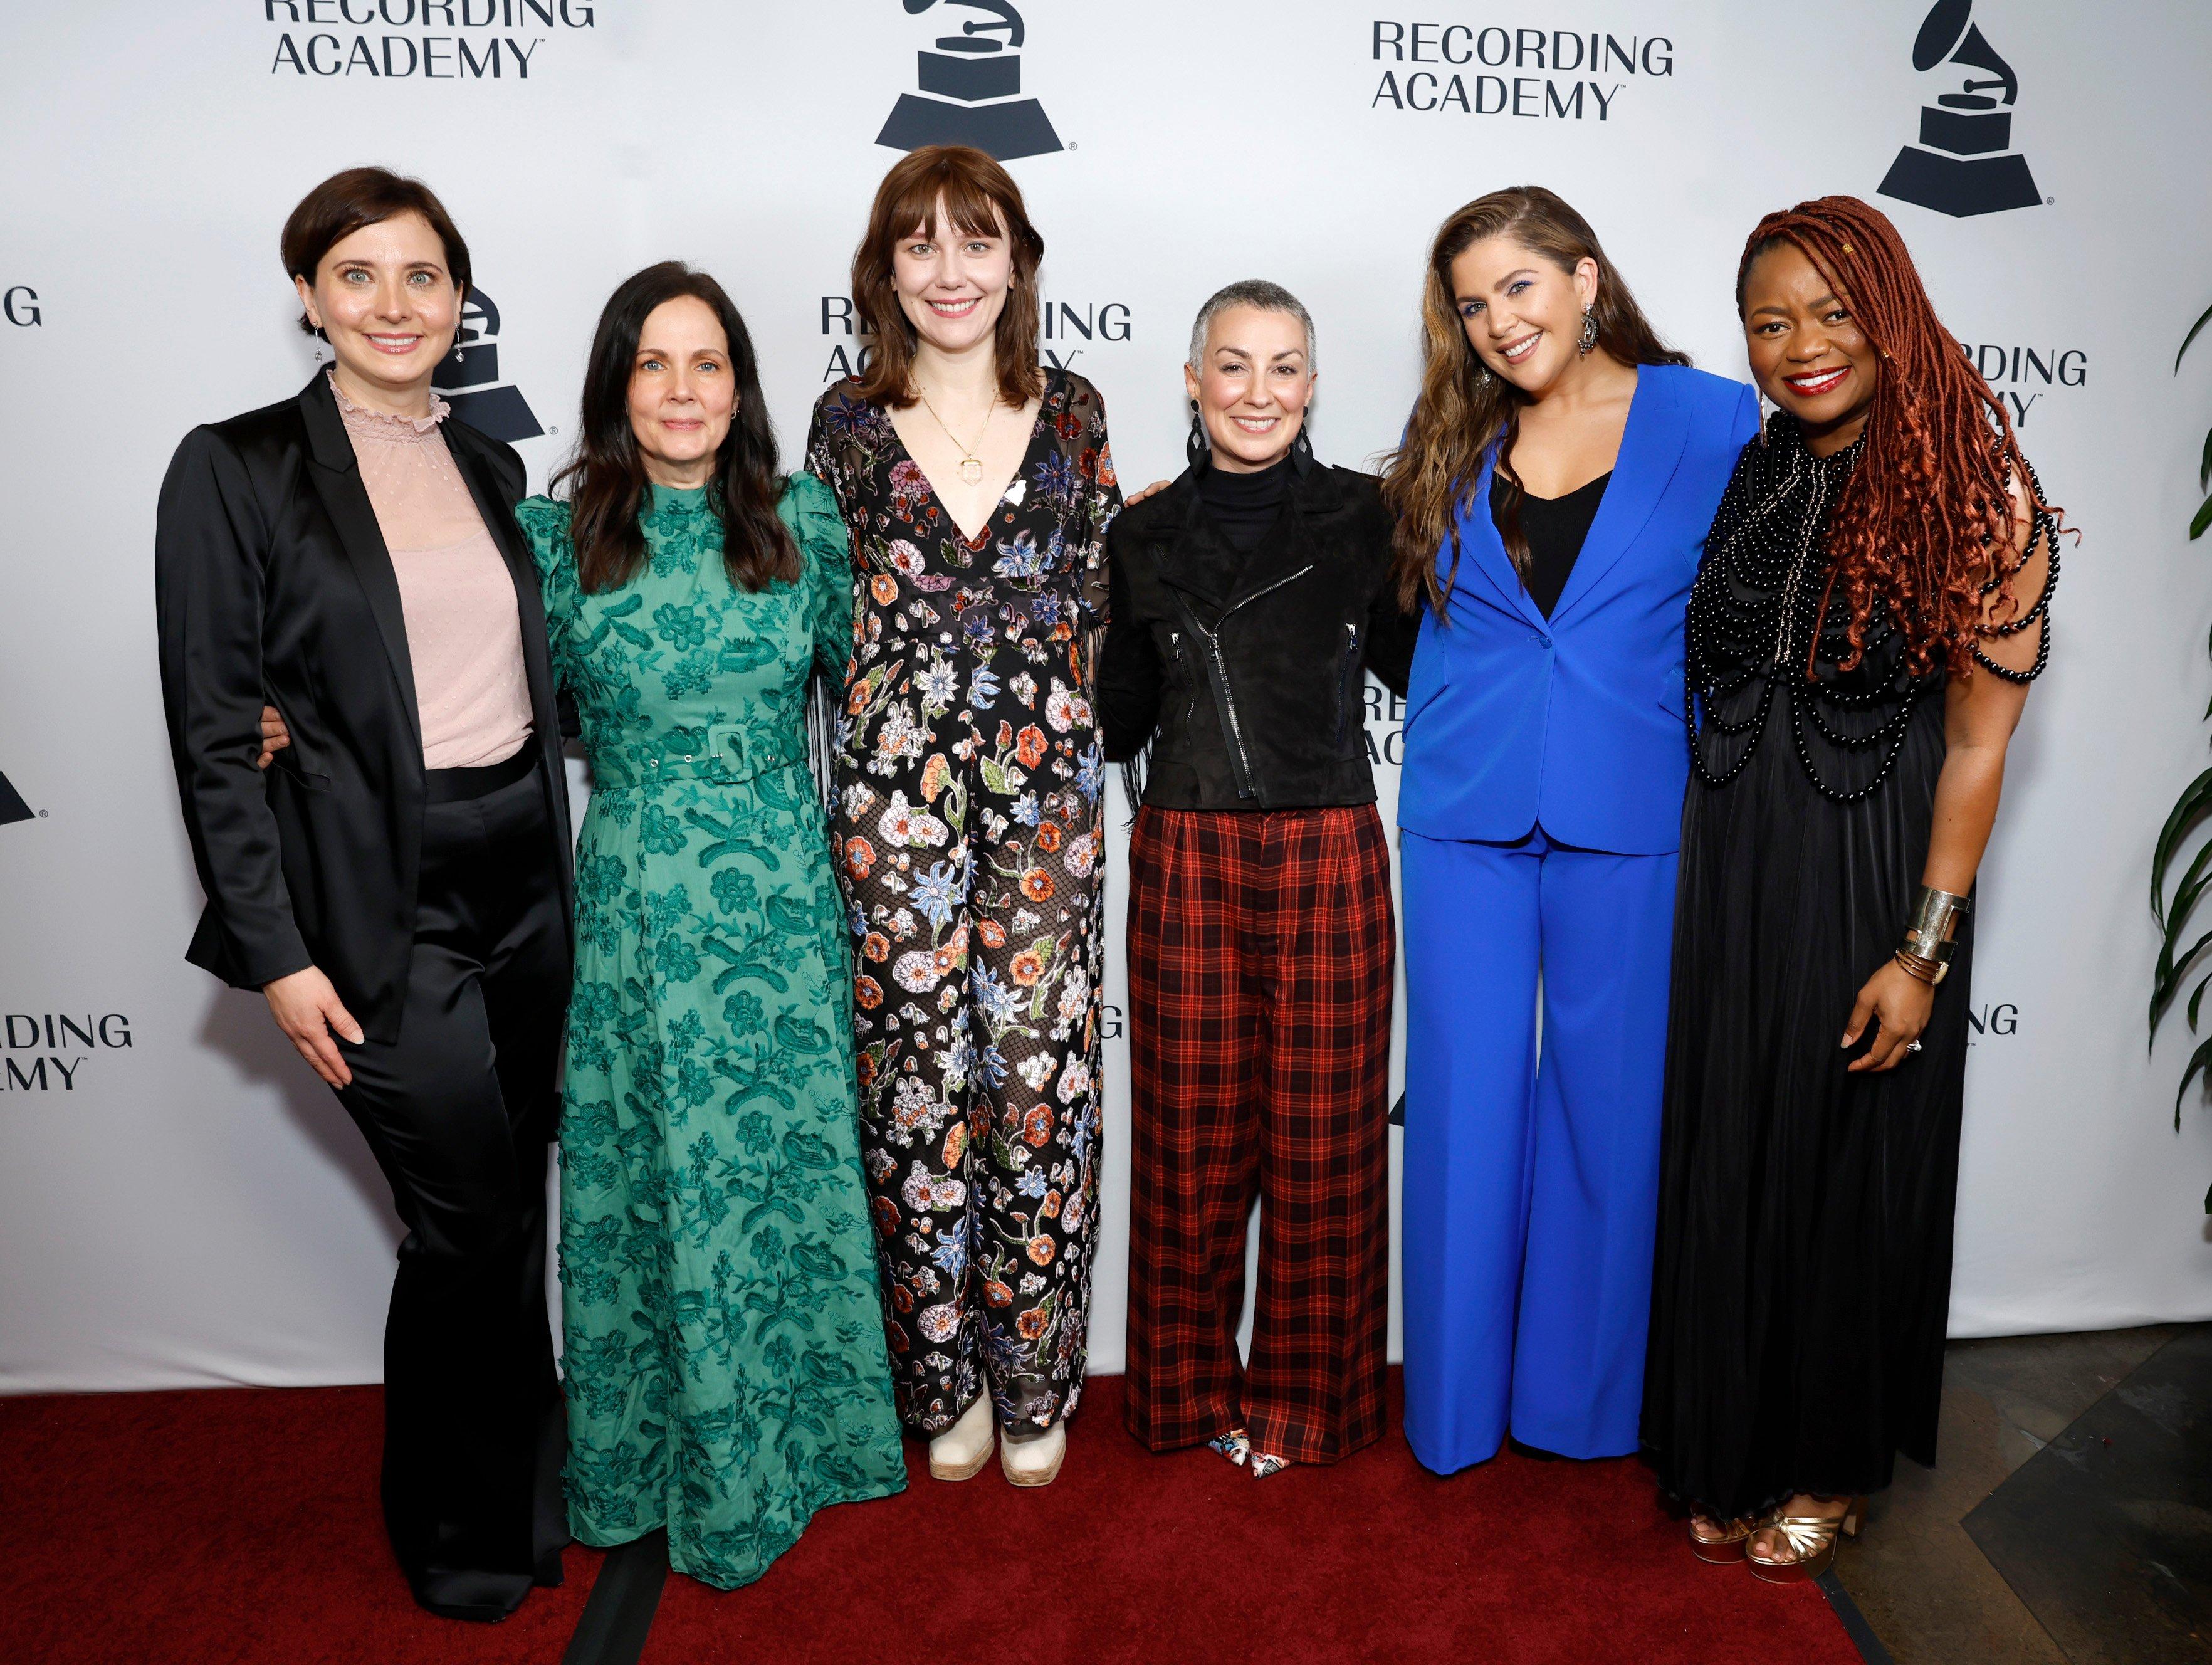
column 1531, row 1179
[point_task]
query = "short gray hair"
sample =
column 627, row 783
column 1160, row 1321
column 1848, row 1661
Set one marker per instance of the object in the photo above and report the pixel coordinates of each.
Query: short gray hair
column 1251, row 292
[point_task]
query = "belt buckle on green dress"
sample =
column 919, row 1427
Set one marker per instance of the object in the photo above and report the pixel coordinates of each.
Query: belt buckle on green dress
column 726, row 748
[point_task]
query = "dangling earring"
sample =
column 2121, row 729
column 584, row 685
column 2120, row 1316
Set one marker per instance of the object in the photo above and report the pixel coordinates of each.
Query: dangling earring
column 1196, row 448
column 1302, row 446
column 1482, row 376
column 1589, row 332
column 1762, row 415
column 459, row 353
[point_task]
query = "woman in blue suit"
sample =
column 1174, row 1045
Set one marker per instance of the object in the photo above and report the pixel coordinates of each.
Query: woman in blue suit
column 1553, row 489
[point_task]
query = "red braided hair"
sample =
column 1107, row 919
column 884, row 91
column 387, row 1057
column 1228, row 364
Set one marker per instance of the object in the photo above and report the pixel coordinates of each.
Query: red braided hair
column 1925, row 522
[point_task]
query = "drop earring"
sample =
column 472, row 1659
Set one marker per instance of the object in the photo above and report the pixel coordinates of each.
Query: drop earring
column 1589, row 332
column 1195, row 448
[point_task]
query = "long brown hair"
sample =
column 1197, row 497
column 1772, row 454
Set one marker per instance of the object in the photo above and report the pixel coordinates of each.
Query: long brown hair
column 606, row 478
column 983, row 201
column 1463, row 411
column 1926, row 520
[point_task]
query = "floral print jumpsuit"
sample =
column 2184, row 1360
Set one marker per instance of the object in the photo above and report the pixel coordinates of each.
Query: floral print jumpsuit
column 970, row 840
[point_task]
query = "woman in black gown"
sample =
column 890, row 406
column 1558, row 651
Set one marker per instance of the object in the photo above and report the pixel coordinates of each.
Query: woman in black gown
column 1870, row 610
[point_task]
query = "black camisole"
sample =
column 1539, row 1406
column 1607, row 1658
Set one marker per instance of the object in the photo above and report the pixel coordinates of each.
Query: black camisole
column 1555, row 528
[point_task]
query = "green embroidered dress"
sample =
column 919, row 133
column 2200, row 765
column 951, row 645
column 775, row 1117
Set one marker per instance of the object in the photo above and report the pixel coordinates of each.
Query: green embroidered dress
column 725, row 1370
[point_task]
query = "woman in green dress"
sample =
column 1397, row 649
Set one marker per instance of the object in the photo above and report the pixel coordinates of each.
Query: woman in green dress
column 725, row 1365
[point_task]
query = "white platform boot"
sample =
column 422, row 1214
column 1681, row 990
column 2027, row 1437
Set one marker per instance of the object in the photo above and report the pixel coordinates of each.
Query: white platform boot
column 960, row 1452
column 1030, row 1455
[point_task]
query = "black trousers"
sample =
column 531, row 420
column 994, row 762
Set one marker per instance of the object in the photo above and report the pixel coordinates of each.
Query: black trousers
column 458, row 1110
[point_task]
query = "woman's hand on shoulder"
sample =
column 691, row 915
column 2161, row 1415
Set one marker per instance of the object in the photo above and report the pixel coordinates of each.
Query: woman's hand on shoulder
column 1152, row 490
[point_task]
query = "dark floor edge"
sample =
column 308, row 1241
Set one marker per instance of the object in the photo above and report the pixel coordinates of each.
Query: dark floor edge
column 618, row 1616
column 1855, row 1622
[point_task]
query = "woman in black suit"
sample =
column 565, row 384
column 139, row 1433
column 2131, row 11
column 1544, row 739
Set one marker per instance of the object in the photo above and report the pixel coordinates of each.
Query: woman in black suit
column 396, row 884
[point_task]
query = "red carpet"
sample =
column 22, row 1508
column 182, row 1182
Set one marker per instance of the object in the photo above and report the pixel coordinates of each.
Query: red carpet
column 240, row 1526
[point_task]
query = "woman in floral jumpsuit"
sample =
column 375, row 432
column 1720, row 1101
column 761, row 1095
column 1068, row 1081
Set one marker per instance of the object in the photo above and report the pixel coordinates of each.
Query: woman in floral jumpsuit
column 968, row 820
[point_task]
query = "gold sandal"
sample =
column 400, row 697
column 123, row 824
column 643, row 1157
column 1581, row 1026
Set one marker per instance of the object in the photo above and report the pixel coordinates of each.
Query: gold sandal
column 1811, row 1540
column 1723, row 1547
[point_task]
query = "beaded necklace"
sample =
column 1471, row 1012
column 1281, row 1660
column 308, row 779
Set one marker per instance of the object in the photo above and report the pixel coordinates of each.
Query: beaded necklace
column 1756, row 622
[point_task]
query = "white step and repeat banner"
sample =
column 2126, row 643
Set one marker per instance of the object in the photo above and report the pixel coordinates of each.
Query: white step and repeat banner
column 180, row 1203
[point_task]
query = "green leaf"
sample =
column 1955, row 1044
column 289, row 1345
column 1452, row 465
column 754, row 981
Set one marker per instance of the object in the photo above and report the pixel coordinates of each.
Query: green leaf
column 2204, row 469
column 2195, row 800
column 2197, row 999
column 2193, row 884
column 2201, row 321
column 2166, row 980
column 2198, row 1061
column 2202, row 519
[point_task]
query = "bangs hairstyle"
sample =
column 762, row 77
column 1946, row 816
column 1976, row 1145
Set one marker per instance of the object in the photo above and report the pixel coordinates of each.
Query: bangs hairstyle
column 980, row 199
column 1926, row 523
column 605, row 482
column 344, row 203
column 1463, row 411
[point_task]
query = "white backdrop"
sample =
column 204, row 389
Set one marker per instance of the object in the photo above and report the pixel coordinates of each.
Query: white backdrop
column 180, row 1203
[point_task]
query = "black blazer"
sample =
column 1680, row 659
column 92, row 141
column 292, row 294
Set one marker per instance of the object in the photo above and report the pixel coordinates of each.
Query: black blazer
column 1244, row 673
column 272, row 585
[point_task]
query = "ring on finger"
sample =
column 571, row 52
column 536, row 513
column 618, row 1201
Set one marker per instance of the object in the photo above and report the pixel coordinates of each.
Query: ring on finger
column 1912, row 1045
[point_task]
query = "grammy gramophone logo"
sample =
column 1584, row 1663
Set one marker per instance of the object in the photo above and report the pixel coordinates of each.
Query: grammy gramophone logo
column 12, row 806
column 1963, row 163
column 468, row 377
column 970, row 90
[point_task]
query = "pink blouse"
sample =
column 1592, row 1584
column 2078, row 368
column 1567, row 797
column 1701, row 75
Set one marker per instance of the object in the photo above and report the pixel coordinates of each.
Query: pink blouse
column 464, row 629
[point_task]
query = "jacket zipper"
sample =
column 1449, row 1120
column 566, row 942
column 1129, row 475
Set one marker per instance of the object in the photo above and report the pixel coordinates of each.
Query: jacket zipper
column 1228, row 696
column 1239, row 756
column 1270, row 589
column 1347, row 687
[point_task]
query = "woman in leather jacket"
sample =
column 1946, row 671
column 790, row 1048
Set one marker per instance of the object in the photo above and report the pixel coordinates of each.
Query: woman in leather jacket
column 1249, row 600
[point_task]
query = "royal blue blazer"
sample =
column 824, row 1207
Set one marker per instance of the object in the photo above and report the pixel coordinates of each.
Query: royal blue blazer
column 1575, row 722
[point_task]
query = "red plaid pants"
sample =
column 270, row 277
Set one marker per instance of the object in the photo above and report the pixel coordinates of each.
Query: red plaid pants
column 1259, row 969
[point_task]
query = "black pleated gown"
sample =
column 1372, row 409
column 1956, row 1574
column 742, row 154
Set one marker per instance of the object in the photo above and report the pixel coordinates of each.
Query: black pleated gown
column 1803, row 1267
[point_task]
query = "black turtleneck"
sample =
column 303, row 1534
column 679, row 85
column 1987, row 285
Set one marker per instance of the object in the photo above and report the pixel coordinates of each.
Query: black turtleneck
column 1245, row 506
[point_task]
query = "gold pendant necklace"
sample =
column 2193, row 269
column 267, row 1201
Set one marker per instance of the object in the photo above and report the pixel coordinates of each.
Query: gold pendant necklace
column 971, row 466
